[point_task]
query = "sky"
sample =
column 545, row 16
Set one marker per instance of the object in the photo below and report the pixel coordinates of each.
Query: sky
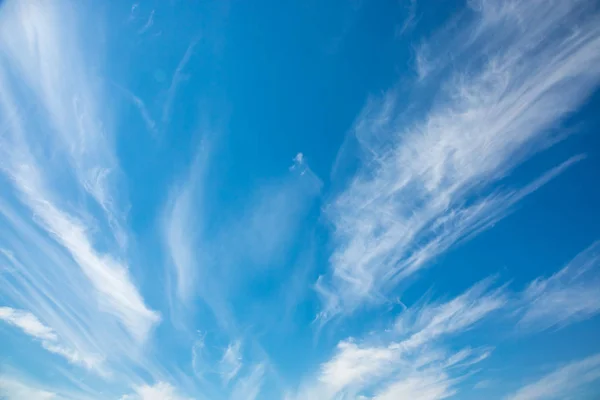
column 299, row 200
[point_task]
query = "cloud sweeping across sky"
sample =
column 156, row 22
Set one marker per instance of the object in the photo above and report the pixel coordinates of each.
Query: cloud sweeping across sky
column 299, row 200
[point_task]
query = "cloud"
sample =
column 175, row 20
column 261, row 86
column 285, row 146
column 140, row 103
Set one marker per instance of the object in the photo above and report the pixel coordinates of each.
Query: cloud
column 430, row 385
column 249, row 386
column 568, row 296
column 273, row 214
column 159, row 391
column 148, row 24
column 178, row 236
column 32, row 326
column 14, row 386
column 432, row 375
column 569, row 380
column 176, row 80
column 37, row 38
column 410, row 20
column 183, row 230
column 355, row 365
column 427, row 183
column 231, row 362
column 454, row 316
column 13, row 389
column 27, row 322
column 257, row 232
column 141, row 107
column 411, row 357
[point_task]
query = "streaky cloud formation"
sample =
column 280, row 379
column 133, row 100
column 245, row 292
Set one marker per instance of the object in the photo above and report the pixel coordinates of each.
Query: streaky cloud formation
column 564, row 382
column 70, row 110
column 27, row 322
column 568, row 296
column 424, row 183
column 410, row 356
column 231, row 361
column 13, row 389
column 159, row 391
column 32, row 326
column 248, row 387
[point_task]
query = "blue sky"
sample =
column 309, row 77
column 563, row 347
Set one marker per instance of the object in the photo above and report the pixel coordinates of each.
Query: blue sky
column 341, row 200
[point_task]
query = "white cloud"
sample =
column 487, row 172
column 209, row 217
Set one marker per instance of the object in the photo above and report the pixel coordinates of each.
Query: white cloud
column 231, row 362
column 148, row 24
column 14, row 386
column 354, row 365
column 410, row 20
column 39, row 41
column 14, row 389
column 248, row 387
column 143, row 110
column 270, row 220
column 430, row 385
column 568, row 296
column 411, row 357
column 27, row 322
column 176, row 80
column 159, row 391
column 32, row 326
column 257, row 232
column 427, row 184
column 179, row 235
column 566, row 382
column 456, row 315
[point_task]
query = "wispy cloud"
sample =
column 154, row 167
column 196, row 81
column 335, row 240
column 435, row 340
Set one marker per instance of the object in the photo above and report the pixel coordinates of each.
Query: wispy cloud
column 14, row 386
column 411, row 357
column 428, row 183
column 148, row 23
column 159, row 391
column 248, row 387
column 14, row 389
column 27, row 322
column 176, row 80
column 569, row 380
column 63, row 208
column 141, row 107
column 183, row 226
column 269, row 222
column 257, row 232
column 356, row 365
column 38, row 42
column 32, row 326
column 570, row 295
column 428, row 385
column 231, row 362
column 410, row 20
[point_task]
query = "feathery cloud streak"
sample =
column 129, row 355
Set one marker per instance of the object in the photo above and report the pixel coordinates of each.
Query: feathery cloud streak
column 259, row 233
column 159, row 391
column 568, row 296
column 14, row 389
column 426, row 185
column 565, row 381
column 32, row 326
column 37, row 38
column 410, row 358
column 231, row 362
